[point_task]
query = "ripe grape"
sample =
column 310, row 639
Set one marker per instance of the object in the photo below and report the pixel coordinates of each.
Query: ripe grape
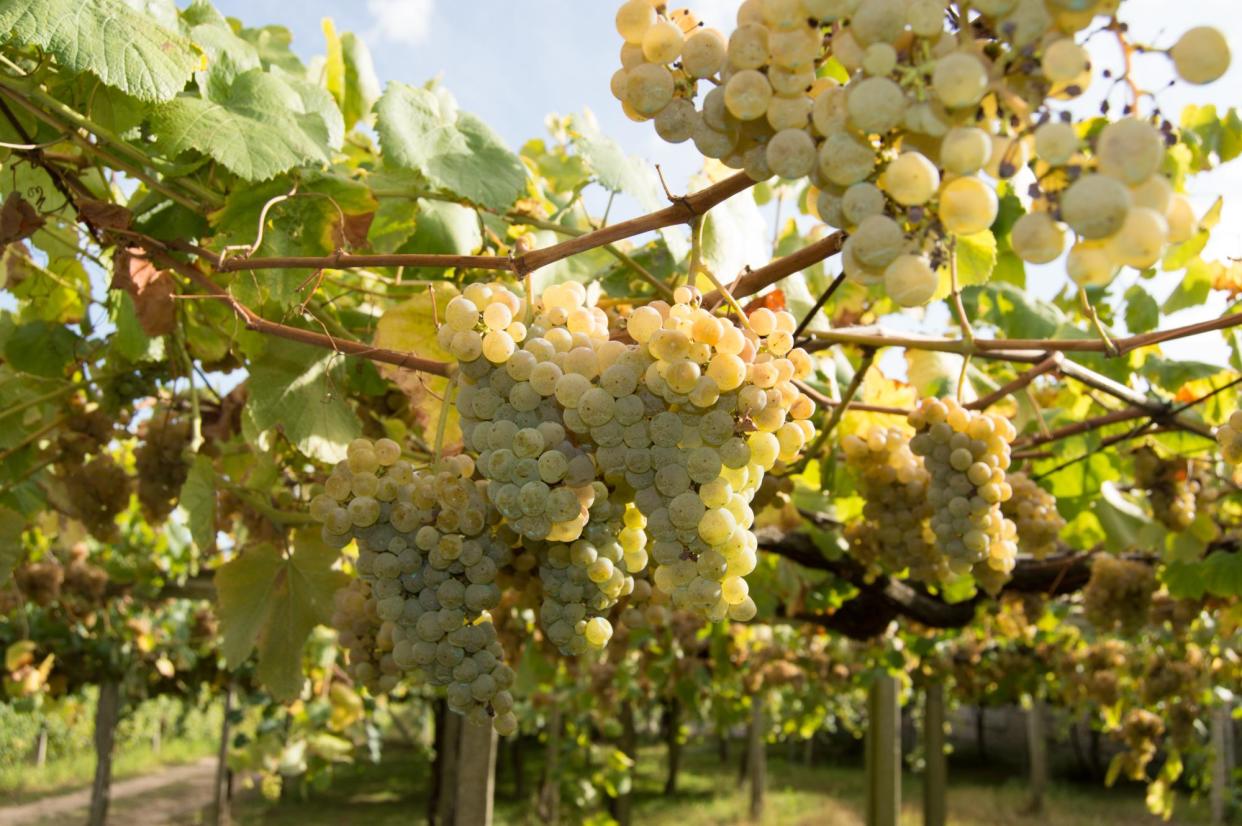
column 1201, row 55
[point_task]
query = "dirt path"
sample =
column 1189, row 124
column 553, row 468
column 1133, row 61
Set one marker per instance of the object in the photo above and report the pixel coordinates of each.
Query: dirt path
column 150, row 800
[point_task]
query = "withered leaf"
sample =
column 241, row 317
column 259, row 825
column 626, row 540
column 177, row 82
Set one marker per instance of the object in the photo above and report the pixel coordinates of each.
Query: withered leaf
column 151, row 290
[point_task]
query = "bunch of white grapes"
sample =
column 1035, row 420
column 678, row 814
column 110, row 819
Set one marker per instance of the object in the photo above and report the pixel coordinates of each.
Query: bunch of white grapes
column 1229, row 437
column 893, row 534
column 1034, row 511
column 723, row 410
column 907, row 154
column 966, row 454
column 429, row 558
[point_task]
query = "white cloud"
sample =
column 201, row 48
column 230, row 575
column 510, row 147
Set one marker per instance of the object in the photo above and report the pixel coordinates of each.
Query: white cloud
column 402, row 21
column 719, row 14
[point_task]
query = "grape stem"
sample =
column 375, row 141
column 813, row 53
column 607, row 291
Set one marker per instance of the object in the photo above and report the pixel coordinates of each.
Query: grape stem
column 1089, row 309
column 1046, row 366
column 968, row 333
column 819, row 304
column 442, row 425
column 838, row 410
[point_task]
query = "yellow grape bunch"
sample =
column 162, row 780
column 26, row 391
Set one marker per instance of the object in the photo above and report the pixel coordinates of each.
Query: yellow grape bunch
column 608, row 451
column 1229, row 436
column 908, row 151
column 966, row 453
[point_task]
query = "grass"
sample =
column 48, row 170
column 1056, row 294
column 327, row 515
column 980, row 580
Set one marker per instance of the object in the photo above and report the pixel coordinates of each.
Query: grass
column 20, row 784
column 393, row 792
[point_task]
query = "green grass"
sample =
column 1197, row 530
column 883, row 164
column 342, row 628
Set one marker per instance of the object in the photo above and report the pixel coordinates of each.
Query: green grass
column 393, row 792
column 20, row 784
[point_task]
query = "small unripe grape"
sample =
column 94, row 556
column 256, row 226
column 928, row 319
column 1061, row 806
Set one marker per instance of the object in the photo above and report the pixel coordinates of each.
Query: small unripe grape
column 845, row 160
column 967, row 206
column 675, row 122
column 747, row 95
column 878, row 21
column 878, row 240
column 876, row 105
column 911, row 179
column 662, row 42
column 1154, row 193
column 649, row 88
column 861, row 201
column 880, row 59
column 1130, row 150
column 1037, row 238
column 1201, row 55
column 748, row 47
column 633, row 19
column 910, row 281
column 965, row 150
column 1064, row 61
column 791, row 153
column 1055, row 143
column 1141, row 240
column 704, row 52
column 1095, row 206
column 959, row 80
column 1089, row 264
column 794, row 50
column 789, row 113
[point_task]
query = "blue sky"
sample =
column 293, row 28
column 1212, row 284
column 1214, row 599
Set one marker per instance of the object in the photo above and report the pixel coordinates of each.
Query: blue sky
column 512, row 63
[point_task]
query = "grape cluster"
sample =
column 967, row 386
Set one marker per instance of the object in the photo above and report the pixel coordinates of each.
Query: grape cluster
column 1141, row 731
column 1118, row 595
column 893, row 534
column 1229, row 437
column 85, row 580
column 966, row 454
column 907, row 154
column 1033, row 511
column 161, row 465
column 87, row 429
column 40, row 582
column 602, row 453
column 1171, row 487
column 429, row 558
column 97, row 491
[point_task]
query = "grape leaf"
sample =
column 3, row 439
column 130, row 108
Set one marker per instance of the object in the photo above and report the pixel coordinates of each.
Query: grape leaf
column 258, row 127
column 1185, row 580
column 198, row 500
column 41, row 348
column 1142, row 311
column 272, row 602
column 423, row 131
column 1222, row 574
column 295, row 387
column 976, row 258
column 107, row 38
column 615, row 171
column 1194, row 287
column 408, row 328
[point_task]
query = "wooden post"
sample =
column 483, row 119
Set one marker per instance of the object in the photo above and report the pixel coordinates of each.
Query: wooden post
column 629, row 747
column 476, row 775
column 550, row 794
column 447, row 757
column 757, row 756
column 220, row 796
column 40, row 750
column 935, row 778
column 107, row 713
column 883, row 753
column 1222, row 758
column 1037, row 753
column 672, row 739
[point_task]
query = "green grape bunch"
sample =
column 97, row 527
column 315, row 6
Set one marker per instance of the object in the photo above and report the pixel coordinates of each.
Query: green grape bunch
column 1033, row 511
column 906, row 116
column 1118, row 596
column 428, row 558
column 893, row 534
column 1172, row 487
column 1229, row 437
column 966, row 454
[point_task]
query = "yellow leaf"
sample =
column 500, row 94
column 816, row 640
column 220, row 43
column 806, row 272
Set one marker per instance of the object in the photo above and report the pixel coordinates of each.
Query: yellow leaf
column 410, row 328
column 880, row 390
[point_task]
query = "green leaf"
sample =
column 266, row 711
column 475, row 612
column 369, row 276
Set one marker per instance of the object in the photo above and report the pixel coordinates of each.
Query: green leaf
column 1012, row 310
column 1122, row 519
column 41, row 349
column 423, row 131
column 198, row 499
column 1195, row 286
column 1185, row 580
column 296, row 388
column 1171, row 375
column 976, row 258
column 130, row 340
column 260, row 126
column 227, row 54
column 1142, row 311
column 272, row 602
column 441, row 227
column 1222, row 574
column 616, row 171
column 362, row 86
column 122, row 47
